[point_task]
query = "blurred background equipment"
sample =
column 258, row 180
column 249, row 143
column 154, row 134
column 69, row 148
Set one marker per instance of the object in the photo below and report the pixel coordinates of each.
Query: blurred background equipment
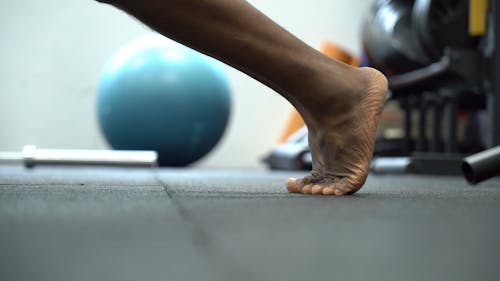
column 32, row 156
column 443, row 87
column 155, row 94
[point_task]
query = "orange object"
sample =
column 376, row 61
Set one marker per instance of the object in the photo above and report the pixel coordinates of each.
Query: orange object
column 339, row 53
column 295, row 121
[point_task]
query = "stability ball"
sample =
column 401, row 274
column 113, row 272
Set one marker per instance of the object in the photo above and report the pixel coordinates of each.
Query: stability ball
column 155, row 94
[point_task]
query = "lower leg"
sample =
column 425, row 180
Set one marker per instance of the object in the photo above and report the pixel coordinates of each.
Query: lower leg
column 339, row 103
column 236, row 33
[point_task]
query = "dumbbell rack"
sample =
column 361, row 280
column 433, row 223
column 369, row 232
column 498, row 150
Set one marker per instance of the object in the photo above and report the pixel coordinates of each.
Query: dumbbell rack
column 463, row 80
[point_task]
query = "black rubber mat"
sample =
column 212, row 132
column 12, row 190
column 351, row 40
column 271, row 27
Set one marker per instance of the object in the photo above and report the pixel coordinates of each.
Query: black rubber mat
column 185, row 224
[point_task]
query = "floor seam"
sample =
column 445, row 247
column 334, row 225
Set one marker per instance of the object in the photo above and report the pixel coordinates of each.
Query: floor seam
column 202, row 240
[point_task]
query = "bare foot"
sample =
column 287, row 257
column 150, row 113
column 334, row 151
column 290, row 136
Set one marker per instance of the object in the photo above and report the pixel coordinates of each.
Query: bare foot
column 342, row 122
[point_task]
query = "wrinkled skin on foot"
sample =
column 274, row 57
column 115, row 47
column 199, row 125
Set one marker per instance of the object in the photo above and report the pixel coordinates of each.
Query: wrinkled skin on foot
column 342, row 140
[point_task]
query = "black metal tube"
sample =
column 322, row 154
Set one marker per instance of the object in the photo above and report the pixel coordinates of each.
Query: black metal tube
column 422, row 125
column 451, row 122
column 482, row 166
column 419, row 76
column 405, row 104
column 436, row 126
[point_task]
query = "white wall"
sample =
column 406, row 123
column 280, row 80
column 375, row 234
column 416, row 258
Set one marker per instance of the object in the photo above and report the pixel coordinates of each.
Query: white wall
column 52, row 51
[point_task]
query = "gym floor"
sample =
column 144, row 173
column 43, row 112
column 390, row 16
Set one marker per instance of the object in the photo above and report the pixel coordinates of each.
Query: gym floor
column 87, row 223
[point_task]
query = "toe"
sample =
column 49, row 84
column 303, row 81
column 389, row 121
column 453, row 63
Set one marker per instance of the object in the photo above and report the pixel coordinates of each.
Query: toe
column 329, row 190
column 345, row 187
column 293, row 186
column 332, row 187
column 297, row 185
column 317, row 189
column 307, row 189
column 339, row 192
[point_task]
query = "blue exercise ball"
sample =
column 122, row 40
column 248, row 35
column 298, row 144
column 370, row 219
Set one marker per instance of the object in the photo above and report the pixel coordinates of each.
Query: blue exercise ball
column 155, row 94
